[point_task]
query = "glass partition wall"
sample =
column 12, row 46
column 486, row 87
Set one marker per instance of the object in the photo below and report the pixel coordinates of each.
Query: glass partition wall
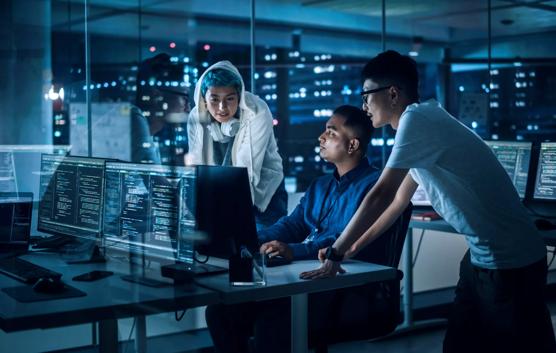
column 116, row 78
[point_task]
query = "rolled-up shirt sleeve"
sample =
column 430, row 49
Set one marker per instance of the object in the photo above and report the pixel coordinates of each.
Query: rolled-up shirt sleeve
column 310, row 249
column 288, row 229
column 414, row 145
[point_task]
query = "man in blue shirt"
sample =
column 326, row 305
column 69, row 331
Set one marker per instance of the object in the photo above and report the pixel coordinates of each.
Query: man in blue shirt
column 331, row 200
column 319, row 218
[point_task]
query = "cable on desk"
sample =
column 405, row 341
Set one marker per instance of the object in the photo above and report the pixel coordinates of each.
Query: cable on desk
column 178, row 318
column 418, row 248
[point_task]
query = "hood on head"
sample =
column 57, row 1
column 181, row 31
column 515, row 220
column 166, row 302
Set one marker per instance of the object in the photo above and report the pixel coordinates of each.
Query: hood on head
column 225, row 65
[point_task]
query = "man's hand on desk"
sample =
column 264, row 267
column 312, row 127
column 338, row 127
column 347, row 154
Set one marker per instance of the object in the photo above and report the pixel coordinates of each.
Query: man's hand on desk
column 326, row 270
column 277, row 248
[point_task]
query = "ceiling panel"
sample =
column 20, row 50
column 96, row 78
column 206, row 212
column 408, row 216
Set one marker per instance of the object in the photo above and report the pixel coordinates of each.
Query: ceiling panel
column 530, row 16
column 464, row 19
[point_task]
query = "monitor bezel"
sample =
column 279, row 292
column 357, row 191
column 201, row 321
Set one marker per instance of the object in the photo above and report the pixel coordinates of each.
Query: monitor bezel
column 536, row 199
column 97, row 234
column 145, row 251
column 530, row 170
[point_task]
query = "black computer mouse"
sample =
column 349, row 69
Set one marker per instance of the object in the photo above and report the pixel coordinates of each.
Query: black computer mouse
column 544, row 224
column 277, row 260
column 49, row 285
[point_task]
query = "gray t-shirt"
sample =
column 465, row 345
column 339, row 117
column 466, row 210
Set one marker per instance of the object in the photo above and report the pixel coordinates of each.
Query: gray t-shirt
column 467, row 186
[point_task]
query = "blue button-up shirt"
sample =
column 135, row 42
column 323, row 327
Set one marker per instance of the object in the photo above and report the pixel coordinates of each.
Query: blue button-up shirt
column 323, row 212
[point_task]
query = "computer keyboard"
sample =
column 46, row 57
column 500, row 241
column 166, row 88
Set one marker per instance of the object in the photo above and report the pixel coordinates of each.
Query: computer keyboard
column 24, row 270
column 201, row 269
column 52, row 242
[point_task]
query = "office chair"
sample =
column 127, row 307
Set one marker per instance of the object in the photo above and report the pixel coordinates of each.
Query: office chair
column 367, row 311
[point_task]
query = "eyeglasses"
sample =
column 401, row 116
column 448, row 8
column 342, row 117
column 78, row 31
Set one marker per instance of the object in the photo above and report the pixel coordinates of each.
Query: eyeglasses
column 366, row 93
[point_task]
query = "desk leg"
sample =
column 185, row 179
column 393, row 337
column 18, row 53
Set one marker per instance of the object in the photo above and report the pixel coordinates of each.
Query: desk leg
column 408, row 324
column 108, row 336
column 408, row 280
column 94, row 333
column 299, row 307
column 140, row 334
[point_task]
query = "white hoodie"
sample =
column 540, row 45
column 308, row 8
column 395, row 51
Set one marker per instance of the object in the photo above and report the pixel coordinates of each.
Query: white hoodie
column 254, row 145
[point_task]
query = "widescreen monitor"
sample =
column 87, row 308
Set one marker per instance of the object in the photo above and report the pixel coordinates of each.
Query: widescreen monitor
column 545, row 183
column 149, row 210
column 72, row 190
column 515, row 157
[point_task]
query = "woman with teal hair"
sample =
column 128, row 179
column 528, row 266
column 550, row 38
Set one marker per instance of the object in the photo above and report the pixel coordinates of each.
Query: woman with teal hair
column 230, row 126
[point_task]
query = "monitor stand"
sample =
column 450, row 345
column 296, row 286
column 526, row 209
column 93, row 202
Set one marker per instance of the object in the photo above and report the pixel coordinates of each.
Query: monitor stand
column 73, row 250
column 82, row 251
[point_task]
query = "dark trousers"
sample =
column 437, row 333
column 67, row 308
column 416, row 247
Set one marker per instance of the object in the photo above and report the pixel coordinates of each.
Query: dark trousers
column 500, row 311
column 231, row 326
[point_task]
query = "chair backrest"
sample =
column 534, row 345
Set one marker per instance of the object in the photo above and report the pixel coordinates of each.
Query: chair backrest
column 387, row 249
column 368, row 311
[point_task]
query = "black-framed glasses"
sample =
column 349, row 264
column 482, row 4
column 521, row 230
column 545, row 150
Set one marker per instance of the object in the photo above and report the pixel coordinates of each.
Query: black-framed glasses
column 366, row 93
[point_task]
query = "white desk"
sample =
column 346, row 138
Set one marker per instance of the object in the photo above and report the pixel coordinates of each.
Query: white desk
column 284, row 281
column 112, row 298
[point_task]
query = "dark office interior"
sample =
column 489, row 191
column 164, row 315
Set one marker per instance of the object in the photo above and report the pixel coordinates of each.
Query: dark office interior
column 107, row 225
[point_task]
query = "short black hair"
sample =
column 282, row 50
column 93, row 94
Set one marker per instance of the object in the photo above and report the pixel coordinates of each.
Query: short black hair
column 392, row 68
column 358, row 121
column 156, row 69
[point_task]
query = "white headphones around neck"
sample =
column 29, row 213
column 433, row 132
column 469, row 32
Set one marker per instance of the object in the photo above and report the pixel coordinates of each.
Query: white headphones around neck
column 223, row 132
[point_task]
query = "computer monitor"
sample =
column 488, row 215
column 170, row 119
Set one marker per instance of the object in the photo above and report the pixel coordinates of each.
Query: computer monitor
column 225, row 211
column 149, row 210
column 545, row 183
column 71, row 190
column 15, row 220
column 515, row 158
column 20, row 166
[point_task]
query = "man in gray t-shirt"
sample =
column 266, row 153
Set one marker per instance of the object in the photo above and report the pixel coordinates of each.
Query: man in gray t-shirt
column 499, row 304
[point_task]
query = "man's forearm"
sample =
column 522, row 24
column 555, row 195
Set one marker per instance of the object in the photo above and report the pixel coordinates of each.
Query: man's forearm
column 381, row 225
column 374, row 204
column 369, row 211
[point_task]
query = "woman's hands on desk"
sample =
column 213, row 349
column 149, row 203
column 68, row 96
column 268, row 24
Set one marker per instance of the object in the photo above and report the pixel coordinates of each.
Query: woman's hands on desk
column 277, row 248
